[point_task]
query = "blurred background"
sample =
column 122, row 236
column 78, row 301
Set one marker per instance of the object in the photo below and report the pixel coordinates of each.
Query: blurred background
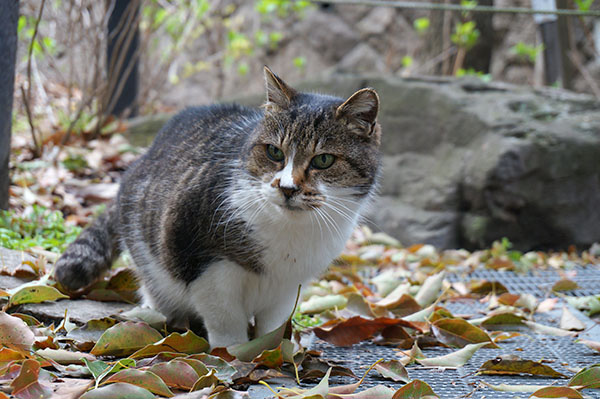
column 490, row 116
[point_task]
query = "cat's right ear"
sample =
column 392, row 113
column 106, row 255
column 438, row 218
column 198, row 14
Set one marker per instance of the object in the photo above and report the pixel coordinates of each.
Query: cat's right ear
column 279, row 94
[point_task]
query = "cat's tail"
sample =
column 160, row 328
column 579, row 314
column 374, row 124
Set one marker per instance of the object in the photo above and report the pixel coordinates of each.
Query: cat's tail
column 91, row 253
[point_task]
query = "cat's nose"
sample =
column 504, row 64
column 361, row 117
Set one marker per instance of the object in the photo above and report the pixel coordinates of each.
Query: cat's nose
column 289, row 192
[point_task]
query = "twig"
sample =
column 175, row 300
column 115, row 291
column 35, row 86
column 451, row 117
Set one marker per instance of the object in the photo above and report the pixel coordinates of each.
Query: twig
column 36, row 146
column 27, row 98
column 456, row 7
column 574, row 57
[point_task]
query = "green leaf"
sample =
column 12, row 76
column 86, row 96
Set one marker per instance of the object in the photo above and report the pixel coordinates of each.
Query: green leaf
column 143, row 379
column 125, row 338
column 415, row 390
column 459, row 332
column 421, row 25
column 35, row 294
column 249, row 350
column 586, row 378
column 119, row 390
column 182, row 343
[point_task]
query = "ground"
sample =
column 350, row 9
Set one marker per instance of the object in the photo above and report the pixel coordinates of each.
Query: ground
column 414, row 320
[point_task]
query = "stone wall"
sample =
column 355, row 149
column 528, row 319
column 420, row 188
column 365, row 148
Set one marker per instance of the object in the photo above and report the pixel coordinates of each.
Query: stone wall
column 467, row 163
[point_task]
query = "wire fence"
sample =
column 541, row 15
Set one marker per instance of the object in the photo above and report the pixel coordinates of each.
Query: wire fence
column 457, row 7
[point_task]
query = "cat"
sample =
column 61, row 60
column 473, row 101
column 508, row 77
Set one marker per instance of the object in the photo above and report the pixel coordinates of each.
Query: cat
column 232, row 208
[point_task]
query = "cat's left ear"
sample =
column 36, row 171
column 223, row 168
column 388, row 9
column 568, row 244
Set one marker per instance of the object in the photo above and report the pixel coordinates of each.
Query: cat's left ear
column 279, row 94
column 360, row 112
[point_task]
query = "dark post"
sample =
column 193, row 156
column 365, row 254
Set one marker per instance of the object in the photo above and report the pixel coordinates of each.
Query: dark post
column 9, row 17
column 123, row 58
column 548, row 27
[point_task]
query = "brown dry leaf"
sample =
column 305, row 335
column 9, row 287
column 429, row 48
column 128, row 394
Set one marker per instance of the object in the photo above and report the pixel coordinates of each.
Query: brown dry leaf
column 15, row 334
column 565, row 285
column 26, row 385
column 356, row 329
column 515, row 367
column 557, row 392
column 459, row 332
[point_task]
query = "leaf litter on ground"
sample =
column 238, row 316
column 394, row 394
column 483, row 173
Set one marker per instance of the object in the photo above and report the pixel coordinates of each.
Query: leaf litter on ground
column 377, row 290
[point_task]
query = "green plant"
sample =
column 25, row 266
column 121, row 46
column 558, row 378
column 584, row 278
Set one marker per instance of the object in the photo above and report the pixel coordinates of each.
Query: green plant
column 527, row 51
column 41, row 227
column 281, row 7
column 486, row 77
column 465, row 35
column 407, row 61
column 584, row 5
column 421, row 25
column 299, row 62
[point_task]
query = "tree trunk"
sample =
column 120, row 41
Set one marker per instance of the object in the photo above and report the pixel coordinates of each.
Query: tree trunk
column 480, row 56
column 9, row 16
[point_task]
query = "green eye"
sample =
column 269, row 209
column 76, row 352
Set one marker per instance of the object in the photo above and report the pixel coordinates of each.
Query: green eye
column 322, row 161
column 275, row 153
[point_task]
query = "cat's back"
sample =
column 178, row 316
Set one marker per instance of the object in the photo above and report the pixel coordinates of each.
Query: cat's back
column 198, row 130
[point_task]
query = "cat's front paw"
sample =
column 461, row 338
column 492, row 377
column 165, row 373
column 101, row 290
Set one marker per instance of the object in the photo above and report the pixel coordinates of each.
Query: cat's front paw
column 72, row 274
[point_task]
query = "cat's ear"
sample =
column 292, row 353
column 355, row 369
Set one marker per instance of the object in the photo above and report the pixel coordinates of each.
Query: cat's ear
column 279, row 93
column 360, row 111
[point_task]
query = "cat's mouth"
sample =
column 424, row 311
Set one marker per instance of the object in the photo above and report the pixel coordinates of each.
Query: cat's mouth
column 293, row 208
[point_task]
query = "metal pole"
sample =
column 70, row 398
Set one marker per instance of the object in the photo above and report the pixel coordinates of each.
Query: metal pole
column 123, row 58
column 548, row 27
column 9, row 17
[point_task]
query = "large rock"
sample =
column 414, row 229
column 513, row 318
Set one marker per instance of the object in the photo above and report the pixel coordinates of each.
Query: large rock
column 467, row 162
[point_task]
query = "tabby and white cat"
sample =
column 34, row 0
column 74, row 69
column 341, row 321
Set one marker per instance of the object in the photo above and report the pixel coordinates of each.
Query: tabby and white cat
column 233, row 207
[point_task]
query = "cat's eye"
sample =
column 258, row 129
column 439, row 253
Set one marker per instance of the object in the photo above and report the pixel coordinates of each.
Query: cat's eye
column 275, row 153
column 322, row 161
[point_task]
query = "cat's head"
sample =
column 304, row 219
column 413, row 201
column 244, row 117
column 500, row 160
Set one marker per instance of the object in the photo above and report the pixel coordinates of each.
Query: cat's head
column 315, row 151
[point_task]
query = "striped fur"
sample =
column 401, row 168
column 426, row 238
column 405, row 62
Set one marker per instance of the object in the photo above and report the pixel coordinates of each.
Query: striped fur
column 223, row 233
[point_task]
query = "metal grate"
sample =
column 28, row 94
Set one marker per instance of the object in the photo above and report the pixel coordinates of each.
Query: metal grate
column 561, row 352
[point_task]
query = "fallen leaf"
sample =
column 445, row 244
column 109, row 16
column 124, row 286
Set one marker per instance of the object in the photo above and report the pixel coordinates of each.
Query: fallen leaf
column 595, row 345
column 586, row 378
column 125, row 338
column 568, row 321
column 557, row 392
column 454, row 359
column 518, row 366
column 484, row 287
column 176, row 374
column 430, row 290
column 376, row 392
column 548, row 330
column 26, row 385
column 35, row 294
column 317, row 304
column 224, row 370
column 356, row 329
column 188, row 343
column 393, row 369
column 565, row 285
column 503, row 319
column 459, row 332
column 249, row 350
column 270, row 358
column 143, row 379
column 417, row 389
column 119, row 390
column 513, row 388
column 15, row 334
column 63, row 356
